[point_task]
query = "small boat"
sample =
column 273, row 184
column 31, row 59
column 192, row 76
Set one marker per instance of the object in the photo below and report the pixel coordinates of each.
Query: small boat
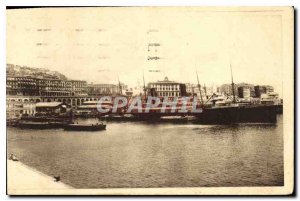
column 85, row 127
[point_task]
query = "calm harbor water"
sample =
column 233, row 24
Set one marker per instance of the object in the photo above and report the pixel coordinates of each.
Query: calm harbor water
column 156, row 155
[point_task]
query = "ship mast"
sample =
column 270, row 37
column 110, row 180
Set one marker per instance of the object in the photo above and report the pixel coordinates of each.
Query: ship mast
column 120, row 87
column 144, row 84
column 205, row 91
column 199, row 86
column 232, row 85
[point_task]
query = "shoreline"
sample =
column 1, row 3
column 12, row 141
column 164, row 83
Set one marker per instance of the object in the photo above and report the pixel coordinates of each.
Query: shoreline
column 21, row 178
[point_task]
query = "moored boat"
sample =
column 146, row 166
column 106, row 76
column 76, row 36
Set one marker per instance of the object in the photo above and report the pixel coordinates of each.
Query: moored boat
column 237, row 114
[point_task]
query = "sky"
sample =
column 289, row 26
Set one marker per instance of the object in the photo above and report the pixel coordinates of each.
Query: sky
column 102, row 45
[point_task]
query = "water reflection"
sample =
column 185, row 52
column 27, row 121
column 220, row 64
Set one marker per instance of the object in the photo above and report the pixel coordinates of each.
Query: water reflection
column 156, row 155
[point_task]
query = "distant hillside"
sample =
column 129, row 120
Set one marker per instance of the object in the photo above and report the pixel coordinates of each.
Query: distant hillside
column 25, row 71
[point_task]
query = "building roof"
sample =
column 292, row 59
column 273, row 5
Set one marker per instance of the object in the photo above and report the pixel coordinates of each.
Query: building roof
column 97, row 102
column 90, row 102
column 87, row 107
column 48, row 104
column 165, row 81
column 102, row 85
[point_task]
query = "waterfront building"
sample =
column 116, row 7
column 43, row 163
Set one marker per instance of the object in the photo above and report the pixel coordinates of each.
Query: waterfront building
column 263, row 89
column 167, row 88
column 29, row 109
column 17, row 106
column 190, row 89
column 28, row 81
column 23, row 92
column 42, row 85
column 78, row 87
column 30, row 86
column 227, row 89
column 50, row 87
column 51, row 108
column 193, row 90
column 22, row 86
column 102, row 89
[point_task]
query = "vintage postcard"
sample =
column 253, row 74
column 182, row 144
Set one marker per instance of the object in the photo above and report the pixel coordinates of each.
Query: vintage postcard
column 150, row 100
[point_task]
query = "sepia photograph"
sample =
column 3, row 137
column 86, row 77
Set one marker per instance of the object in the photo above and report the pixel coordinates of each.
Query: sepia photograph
column 150, row 100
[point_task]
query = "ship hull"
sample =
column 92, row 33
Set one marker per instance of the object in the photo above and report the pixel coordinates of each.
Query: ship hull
column 279, row 109
column 39, row 125
column 76, row 127
column 240, row 114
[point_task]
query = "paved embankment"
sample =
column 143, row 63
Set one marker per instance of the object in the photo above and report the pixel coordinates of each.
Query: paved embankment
column 21, row 178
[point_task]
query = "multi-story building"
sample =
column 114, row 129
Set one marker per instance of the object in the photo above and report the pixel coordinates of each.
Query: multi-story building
column 263, row 89
column 193, row 90
column 227, row 88
column 50, row 87
column 102, row 89
column 167, row 88
column 78, row 87
column 17, row 106
column 25, row 86
column 190, row 89
column 54, row 87
column 29, row 86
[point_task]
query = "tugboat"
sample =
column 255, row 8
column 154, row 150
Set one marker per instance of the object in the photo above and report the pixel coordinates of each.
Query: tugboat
column 85, row 127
